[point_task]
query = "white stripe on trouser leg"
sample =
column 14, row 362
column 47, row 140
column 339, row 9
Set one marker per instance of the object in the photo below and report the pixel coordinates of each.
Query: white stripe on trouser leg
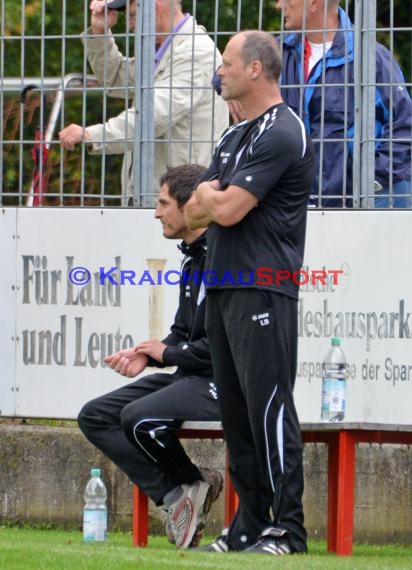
column 279, row 436
column 151, row 433
column 267, row 440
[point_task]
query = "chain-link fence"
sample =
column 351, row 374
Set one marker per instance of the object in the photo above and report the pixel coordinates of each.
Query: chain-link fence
column 94, row 119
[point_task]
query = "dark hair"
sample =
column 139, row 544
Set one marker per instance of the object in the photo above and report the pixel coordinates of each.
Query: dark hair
column 182, row 180
column 262, row 46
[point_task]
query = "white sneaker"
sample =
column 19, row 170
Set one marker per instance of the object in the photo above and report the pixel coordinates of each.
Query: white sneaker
column 186, row 514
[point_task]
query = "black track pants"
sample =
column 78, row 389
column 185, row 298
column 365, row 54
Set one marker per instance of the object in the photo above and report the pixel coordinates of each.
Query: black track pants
column 135, row 426
column 253, row 341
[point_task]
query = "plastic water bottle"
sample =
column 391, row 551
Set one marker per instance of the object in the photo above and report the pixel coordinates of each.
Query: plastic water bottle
column 95, row 510
column 334, row 383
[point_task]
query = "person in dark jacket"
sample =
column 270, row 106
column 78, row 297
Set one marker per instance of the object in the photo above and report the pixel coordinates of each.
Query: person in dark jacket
column 135, row 426
column 323, row 54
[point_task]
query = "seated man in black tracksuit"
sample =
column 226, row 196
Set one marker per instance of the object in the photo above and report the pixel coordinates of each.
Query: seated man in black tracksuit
column 135, row 426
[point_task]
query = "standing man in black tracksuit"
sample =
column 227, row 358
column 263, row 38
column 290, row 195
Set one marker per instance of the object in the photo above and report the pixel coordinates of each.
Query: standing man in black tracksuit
column 135, row 426
column 254, row 198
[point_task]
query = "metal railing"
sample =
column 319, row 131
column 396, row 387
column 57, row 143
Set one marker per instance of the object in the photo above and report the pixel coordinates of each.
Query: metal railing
column 35, row 170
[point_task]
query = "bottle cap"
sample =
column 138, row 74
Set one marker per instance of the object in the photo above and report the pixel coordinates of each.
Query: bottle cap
column 335, row 341
column 95, row 472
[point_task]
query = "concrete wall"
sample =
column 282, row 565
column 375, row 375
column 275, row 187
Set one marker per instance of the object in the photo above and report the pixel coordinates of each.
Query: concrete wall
column 44, row 471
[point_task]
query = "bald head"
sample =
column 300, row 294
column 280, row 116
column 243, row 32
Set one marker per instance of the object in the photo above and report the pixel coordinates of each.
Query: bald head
column 251, row 65
column 262, row 47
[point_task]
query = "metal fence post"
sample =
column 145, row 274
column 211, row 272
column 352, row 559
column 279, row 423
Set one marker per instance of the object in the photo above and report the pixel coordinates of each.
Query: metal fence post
column 143, row 141
column 364, row 88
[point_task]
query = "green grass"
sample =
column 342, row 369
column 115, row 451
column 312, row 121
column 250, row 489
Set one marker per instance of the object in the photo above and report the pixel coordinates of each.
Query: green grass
column 26, row 549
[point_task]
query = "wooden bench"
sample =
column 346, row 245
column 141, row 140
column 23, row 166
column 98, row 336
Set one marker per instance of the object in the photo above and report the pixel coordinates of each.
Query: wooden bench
column 341, row 439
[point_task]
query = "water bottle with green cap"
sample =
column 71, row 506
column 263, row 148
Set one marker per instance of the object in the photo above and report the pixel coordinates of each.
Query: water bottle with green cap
column 95, row 510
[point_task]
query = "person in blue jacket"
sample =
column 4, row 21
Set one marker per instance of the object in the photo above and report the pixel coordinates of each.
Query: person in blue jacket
column 318, row 84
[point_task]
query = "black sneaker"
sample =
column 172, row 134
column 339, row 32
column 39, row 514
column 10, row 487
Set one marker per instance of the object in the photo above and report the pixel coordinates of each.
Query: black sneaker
column 271, row 541
column 219, row 545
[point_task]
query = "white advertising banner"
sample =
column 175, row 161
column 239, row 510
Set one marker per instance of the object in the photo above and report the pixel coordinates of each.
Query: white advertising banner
column 56, row 328
column 369, row 309
column 72, row 309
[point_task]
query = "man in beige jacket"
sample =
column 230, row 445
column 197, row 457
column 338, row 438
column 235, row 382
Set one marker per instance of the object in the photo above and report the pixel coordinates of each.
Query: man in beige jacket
column 188, row 115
